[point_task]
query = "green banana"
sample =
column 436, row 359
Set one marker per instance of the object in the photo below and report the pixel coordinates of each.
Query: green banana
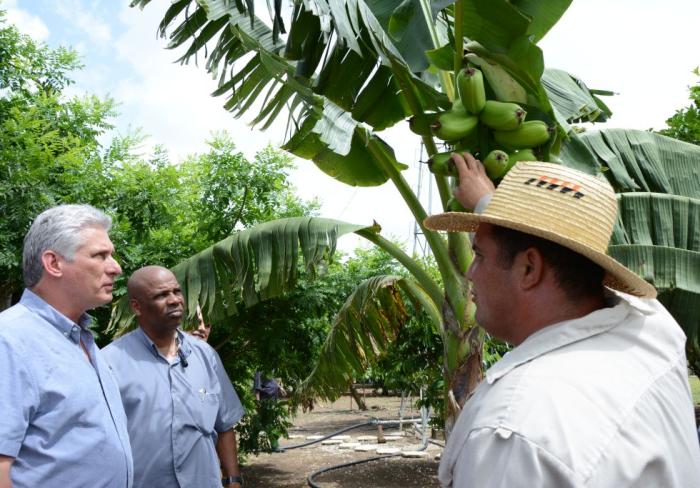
column 520, row 155
column 503, row 85
column 502, row 115
column 454, row 125
column 470, row 86
column 453, row 205
column 530, row 134
column 496, row 164
column 420, row 124
column 442, row 164
column 470, row 143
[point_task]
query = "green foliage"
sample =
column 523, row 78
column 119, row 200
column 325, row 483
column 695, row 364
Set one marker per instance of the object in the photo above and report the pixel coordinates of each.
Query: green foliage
column 165, row 213
column 695, row 389
column 27, row 67
column 238, row 193
column 49, row 144
column 261, row 432
column 282, row 337
column 685, row 123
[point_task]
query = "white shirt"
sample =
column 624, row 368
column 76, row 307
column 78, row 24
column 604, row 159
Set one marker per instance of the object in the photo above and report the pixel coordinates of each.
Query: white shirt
column 599, row 401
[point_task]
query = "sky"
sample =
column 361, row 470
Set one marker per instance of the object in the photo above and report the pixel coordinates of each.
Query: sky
column 643, row 50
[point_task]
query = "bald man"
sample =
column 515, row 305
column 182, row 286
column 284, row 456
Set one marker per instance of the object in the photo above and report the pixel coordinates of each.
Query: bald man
column 179, row 402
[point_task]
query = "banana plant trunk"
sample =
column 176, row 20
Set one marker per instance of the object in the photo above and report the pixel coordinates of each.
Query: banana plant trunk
column 463, row 352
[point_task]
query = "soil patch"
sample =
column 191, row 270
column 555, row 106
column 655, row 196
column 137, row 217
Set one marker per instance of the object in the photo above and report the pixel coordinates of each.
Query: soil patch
column 290, row 469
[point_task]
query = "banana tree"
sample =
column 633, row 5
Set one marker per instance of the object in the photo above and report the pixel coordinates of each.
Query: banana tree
column 344, row 71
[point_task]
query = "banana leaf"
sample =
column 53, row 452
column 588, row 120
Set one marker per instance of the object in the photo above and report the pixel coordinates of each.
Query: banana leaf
column 658, row 237
column 252, row 265
column 676, row 275
column 370, row 319
column 572, row 98
column 405, row 23
column 507, row 32
column 361, row 79
column 357, row 167
column 635, row 160
column 656, row 219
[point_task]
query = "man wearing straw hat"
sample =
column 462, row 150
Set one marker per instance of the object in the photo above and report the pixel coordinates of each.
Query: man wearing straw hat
column 595, row 392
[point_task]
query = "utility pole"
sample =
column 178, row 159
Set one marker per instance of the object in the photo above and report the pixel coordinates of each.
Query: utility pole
column 424, row 192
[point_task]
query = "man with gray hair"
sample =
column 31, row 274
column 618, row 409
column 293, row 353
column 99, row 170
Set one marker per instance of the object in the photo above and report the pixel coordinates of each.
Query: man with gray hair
column 62, row 421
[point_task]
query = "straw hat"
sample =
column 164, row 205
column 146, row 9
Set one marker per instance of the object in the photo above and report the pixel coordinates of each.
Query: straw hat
column 559, row 204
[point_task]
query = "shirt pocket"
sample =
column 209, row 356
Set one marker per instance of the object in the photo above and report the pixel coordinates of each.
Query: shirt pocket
column 198, row 402
column 207, row 410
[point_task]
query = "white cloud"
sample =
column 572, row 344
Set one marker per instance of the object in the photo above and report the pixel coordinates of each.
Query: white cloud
column 644, row 50
column 87, row 18
column 172, row 102
column 25, row 22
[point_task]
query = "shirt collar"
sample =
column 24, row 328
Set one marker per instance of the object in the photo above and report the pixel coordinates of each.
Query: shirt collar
column 182, row 338
column 63, row 324
column 569, row 331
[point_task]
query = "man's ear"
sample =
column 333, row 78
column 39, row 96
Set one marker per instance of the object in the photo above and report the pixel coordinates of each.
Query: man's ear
column 531, row 267
column 135, row 306
column 52, row 263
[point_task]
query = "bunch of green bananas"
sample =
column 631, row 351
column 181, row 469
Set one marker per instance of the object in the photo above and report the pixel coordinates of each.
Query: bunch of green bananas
column 496, row 131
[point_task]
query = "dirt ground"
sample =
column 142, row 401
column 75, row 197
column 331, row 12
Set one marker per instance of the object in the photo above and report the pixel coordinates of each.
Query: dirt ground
column 290, row 469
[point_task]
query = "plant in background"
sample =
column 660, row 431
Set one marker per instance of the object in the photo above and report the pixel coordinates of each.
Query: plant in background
column 49, row 143
column 685, row 123
column 345, row 72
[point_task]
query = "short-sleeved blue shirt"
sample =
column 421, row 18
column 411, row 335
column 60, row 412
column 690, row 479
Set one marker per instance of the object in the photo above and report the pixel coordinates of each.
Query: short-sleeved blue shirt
column 61, row 417
column 174, row 409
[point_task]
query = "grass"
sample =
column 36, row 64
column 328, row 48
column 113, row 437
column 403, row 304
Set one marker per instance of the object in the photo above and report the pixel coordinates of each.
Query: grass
column 695, row 389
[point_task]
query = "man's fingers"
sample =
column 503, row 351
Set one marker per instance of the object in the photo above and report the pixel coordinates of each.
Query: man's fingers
column 460, row 164
column 465, row 162
column 472, row 162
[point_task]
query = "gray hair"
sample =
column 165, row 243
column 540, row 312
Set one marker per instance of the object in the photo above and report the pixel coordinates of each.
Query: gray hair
column 58, row 229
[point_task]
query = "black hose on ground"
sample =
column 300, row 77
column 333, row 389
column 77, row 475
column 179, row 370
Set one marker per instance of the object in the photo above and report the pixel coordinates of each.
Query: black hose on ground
column 310, row 478
column 356, row 426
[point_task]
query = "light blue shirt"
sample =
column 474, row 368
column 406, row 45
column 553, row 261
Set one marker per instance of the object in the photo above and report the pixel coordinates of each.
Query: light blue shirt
column 174, row 409
column 61, row 417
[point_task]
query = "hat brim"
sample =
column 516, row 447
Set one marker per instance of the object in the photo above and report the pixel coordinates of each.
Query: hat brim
column 618, row 277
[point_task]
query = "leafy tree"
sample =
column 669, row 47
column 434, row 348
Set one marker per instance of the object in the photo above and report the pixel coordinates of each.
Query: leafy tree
column 237, row 194
column 348, row 70
column 164, row 212
column 685, row 123
column 282, row 337
column 48, row 144
column 27, row 67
